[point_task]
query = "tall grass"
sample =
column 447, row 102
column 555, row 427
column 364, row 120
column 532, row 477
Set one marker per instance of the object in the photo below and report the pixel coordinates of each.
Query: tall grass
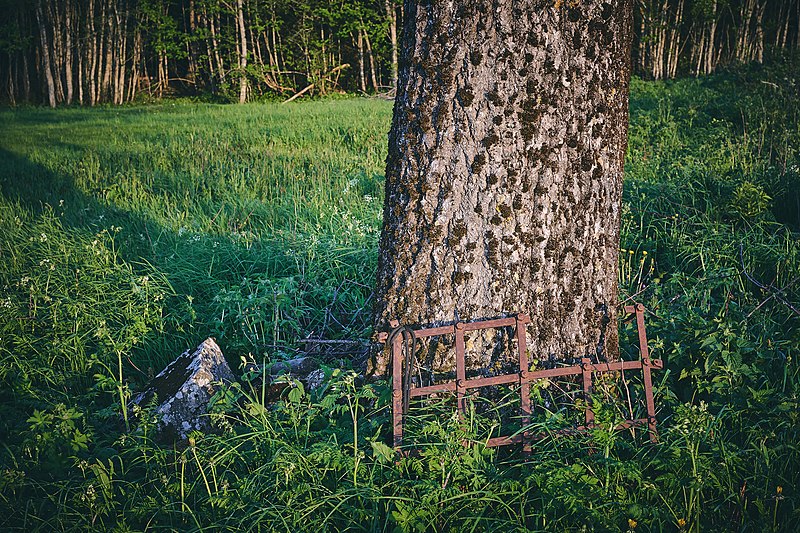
column 128, row 234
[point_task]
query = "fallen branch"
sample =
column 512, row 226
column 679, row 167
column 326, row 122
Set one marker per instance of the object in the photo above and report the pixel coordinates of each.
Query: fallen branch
column 308, row 88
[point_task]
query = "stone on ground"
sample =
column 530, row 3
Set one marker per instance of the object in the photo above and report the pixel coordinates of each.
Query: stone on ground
column 183, row 390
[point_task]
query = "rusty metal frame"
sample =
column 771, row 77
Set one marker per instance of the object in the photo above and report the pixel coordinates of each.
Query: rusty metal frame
column 586, row 369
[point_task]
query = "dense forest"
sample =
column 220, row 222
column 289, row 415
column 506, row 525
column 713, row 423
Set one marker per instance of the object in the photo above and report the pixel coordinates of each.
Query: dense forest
column 114, row 51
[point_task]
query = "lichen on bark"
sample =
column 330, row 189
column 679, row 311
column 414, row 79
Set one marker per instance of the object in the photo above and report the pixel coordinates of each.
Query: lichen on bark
column 504, row 172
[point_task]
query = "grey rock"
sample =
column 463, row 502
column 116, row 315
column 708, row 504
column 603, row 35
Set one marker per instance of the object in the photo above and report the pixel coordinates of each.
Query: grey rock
column 183, row 390
column 300, row 367
column 306, row 369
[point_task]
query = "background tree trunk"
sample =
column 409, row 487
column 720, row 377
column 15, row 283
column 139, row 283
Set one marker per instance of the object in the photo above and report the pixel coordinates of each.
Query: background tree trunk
column 242, row 52
column 105, row 50
column 392, row 16
column 504, row 173
column 46, row 66
column 68, row 49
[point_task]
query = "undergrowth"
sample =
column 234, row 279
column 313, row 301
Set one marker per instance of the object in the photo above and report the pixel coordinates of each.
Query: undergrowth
column 130, row 234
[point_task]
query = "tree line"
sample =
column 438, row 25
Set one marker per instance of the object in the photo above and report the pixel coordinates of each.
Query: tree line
column 114, row 51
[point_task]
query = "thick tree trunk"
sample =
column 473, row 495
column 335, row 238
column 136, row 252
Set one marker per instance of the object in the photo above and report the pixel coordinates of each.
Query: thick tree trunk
column 504, row 173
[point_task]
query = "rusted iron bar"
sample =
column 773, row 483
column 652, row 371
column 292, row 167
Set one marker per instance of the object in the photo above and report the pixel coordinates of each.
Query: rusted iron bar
column 461, row 370
column 397, row 386
column 523, row 378
column 644, row 353
column 528, row 377
column 525, row 385
column 586, row 371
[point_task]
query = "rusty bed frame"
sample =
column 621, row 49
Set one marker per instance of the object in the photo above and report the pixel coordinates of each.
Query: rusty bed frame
column 524, row 378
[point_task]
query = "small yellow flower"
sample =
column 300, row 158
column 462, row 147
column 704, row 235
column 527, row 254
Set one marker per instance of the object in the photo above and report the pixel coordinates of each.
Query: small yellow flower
column 632, row 523
column 779, row 490
column 644, row 252
column 681, row 523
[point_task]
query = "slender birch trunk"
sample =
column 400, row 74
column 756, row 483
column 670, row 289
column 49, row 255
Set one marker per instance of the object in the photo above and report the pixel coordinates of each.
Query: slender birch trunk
column 242, row 52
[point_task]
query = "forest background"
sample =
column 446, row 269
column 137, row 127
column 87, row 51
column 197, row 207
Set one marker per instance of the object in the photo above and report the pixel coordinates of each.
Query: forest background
column 115, row 51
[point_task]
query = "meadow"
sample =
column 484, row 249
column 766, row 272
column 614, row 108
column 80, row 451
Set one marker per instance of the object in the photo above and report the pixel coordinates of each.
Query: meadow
column 129, row 234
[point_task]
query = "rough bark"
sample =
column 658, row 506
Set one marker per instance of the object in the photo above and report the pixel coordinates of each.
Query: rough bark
column 504, row 173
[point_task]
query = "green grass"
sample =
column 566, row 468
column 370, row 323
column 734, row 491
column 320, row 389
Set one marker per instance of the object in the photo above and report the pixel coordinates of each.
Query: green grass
column 129, row 234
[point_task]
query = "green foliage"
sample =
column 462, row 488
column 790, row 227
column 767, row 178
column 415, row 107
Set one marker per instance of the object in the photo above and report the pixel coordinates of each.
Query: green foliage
column 749, row 200
column 259, row 223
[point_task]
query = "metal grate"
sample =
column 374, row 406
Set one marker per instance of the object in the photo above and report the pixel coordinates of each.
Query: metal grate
column 586, row 369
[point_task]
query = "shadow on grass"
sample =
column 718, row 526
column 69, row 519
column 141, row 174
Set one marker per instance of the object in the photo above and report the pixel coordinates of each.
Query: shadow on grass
column 314, row 289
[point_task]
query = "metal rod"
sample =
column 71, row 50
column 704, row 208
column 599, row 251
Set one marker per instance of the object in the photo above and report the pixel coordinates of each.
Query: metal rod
column 586, row 367
column 487, row 324
column 644, row 352
column 525, row 386
column 461, row 372
column 397, row 386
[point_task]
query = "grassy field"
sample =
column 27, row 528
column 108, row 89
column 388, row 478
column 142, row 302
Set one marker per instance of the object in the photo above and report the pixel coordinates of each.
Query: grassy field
column 129, row 234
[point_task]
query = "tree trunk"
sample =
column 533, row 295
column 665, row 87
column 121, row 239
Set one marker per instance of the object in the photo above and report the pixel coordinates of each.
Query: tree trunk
column 371, row 62
column 26, row 78
column 392, row 16
column 81, row 66
column 53, row 18
column 643, row 41
column 710, row 63
column 46, row 66
column 12, row 92
column 744, row 38
column 758, row 39
column 191, row 44
column 108, row 60
column 215, row 46
column 242, row 52
column 504, row 173
column 68, row 49
column 362, row 82
column 92, row 51
column 137, row 64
